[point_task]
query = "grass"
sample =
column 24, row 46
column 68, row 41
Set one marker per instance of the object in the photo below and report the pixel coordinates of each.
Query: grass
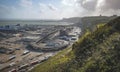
column 100, row 25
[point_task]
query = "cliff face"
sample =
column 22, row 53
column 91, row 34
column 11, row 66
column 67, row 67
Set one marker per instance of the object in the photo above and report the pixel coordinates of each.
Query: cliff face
column 97, row 51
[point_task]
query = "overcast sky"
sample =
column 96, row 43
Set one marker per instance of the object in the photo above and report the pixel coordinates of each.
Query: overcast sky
column 56, row 9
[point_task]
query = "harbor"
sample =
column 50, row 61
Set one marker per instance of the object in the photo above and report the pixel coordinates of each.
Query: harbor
column 29, row 45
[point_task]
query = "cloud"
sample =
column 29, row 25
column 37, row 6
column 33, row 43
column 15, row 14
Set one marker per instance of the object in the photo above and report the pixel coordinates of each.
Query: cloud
column 25, row 3
column 89, row 4
column 96, row 7
column 49, row 11
column 110, row 4
column 4, row 11
column 28, row 9
column 50, row 6
column 69, row 2
column 104, row 4
column 45, row 7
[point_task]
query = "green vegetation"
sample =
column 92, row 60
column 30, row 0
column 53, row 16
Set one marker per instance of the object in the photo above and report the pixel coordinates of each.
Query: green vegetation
column 51, row 64
column 97, row 51
column 100, row 25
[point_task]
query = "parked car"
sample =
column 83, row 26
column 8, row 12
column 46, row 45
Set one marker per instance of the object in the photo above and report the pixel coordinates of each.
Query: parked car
column 12, row 64
column 12, row 57
column 23, row 66
column 17, row 48
column 13, row 70
column 34, row 62
column 26, row 52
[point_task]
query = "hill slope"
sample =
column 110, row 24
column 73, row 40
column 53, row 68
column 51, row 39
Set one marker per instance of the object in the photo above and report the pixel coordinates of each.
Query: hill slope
column 97, row 51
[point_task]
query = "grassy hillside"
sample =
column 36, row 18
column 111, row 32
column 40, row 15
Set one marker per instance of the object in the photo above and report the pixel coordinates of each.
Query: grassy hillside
column 97, row 51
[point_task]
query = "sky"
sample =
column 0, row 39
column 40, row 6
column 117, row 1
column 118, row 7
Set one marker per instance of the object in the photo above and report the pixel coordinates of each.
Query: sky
column 57, row 9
